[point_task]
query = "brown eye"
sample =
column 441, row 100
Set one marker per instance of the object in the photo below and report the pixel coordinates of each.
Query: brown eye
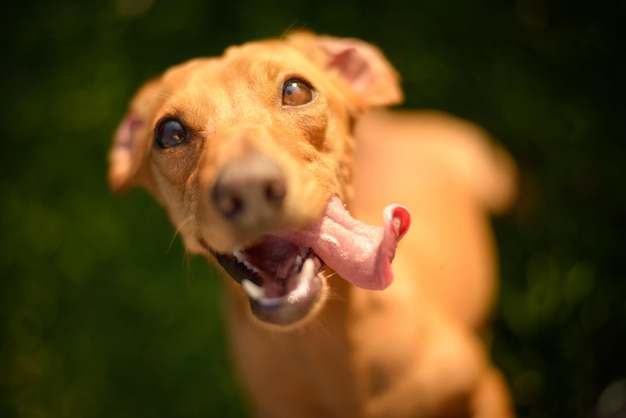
column 297, row 93
column 170, row 133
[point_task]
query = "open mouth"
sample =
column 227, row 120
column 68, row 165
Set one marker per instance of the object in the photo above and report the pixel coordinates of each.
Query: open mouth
column 282, row 274
column 282, row 280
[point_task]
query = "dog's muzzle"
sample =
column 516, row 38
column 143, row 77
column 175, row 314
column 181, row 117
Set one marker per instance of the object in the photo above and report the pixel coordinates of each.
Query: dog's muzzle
column 283, row 274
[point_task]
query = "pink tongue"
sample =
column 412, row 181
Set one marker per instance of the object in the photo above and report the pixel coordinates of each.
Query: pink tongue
column 359, row 253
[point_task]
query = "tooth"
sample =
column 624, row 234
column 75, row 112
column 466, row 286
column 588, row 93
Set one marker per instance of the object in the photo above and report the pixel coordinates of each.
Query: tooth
column 238, row 254
column 254, row 291
column 304, row 278
column 308, row 269
column 298, row 261
column 249, row 266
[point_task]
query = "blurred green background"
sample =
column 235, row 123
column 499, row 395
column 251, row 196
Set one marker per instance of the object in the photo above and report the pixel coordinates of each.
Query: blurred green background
column 103, row 314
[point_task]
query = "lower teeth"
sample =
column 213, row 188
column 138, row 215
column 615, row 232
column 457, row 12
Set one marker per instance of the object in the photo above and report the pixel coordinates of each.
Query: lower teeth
column 298, row 262
column 308, row 268
column 303, row 279
column 254, row 291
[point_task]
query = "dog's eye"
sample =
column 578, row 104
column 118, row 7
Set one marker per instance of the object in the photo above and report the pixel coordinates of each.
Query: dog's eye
column 170, row 133
column 297, row 93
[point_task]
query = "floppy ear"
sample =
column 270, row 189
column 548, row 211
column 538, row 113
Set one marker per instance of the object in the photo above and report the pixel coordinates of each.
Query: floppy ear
column 361, row 65
column 131, row 141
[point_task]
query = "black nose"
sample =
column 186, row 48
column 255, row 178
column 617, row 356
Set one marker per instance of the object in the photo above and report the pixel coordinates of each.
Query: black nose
column 250, row 191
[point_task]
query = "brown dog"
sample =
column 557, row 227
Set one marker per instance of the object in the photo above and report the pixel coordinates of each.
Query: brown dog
column 256, row 155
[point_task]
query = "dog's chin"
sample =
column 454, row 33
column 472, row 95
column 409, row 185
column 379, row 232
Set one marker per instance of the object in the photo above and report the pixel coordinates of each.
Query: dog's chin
column 283, row 281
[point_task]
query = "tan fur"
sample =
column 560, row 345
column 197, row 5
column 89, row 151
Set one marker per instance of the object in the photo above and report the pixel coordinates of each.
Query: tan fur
column 411, row 350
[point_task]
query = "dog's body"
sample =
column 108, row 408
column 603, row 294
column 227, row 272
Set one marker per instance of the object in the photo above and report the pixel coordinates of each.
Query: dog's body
column 253, row 154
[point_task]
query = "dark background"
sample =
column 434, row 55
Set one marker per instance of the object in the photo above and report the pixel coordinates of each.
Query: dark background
column 103, row 315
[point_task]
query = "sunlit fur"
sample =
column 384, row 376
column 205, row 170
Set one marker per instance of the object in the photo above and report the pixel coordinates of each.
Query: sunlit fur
column 412, row 350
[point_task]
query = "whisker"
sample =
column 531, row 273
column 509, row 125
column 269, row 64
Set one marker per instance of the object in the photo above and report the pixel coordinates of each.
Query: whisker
column 162, row 95
column 290, row 29
column 187, row 260
column 177, row 232
column 273, row 57
column 320, row 326
column 330, row 295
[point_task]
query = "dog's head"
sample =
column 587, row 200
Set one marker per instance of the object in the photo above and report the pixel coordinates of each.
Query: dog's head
column 250, row 153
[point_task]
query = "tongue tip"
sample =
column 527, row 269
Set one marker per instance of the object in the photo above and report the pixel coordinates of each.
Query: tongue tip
column 398, row 219
column 367, row 251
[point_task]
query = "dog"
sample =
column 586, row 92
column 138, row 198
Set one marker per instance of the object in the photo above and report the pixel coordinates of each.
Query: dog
column 279, row 162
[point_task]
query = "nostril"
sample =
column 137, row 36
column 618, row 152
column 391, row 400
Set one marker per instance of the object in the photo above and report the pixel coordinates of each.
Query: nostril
column 230, row 205
column 275, row 192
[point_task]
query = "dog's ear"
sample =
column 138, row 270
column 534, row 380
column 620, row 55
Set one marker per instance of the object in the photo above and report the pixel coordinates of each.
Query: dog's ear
column 131, row 143
column 361, row 65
